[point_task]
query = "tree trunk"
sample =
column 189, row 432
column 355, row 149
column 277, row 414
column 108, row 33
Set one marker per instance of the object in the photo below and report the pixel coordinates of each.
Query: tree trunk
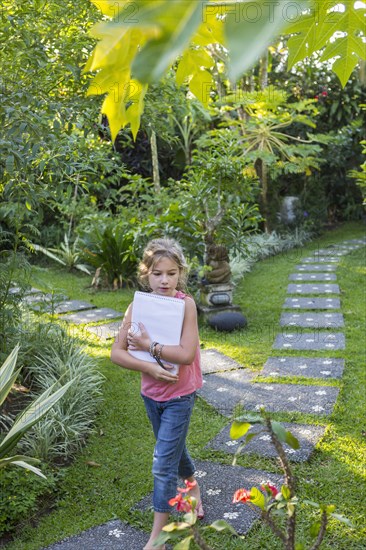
column 155, row 162
column 263, row 71
column 262, row 173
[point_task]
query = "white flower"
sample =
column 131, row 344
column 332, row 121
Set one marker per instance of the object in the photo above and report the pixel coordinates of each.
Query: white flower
column 290, row 451
column 317, row 408
column 292, row 398
column 231, row 443
column 231, row 515
column 116, row 533
column 200, row 473
column 265, row 437
column 213, row 492
column 321, row 392
column 325, row 372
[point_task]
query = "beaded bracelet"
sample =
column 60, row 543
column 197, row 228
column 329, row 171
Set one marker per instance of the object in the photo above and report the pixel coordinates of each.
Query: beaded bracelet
column 159, row 351
column 152, row 349
column 157, row 355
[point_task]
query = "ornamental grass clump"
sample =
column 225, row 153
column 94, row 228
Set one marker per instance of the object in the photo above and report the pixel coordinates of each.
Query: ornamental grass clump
column 63, row 431
column 277, row 505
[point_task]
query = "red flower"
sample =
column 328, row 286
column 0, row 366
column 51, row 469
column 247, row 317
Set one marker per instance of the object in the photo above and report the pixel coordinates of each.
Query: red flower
column 188, row 487
column 182, row 504
column 241, row 495
column 270, row 488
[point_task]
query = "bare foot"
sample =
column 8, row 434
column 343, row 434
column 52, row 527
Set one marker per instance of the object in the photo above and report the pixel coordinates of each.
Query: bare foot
column 195, row 492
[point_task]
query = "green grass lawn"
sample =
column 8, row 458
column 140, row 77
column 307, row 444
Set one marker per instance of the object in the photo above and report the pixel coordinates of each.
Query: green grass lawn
column 122, row 442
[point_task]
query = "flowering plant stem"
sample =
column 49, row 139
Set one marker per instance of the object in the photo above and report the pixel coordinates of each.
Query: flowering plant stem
column 289, row 539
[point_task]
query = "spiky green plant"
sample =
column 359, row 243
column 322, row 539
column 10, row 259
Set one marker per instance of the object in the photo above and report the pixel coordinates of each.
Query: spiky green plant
column 30, row 416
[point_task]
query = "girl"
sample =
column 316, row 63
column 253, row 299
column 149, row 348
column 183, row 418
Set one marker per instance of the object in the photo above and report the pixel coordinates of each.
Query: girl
column 168, row 398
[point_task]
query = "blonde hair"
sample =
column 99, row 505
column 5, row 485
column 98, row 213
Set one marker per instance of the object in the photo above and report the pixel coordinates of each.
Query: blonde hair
column 154, row 252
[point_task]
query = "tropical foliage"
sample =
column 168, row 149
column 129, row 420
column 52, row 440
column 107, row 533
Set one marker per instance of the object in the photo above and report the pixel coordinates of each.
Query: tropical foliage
column 138, row 42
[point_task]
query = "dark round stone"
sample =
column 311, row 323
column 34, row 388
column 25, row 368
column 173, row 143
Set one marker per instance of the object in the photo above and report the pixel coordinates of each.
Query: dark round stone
column 227, row 321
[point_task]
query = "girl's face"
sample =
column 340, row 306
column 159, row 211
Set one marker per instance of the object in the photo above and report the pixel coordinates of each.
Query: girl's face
column 163, row 277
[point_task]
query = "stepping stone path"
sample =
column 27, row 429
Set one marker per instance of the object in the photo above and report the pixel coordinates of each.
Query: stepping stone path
column 312, row 303
column 213, row 361
column 313, row 277
column 113, row 535
column 225, row 391
column 227, row 384
column 313, row 289
column 310, row 341
column 312, row 367
column 73, row 305
column 261, row 444
column 106, row 331
column 312, row 320
column 218, row 483
column 316, row 267
column 92, row 315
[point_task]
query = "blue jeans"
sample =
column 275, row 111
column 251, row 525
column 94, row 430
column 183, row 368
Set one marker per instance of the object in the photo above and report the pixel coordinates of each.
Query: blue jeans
column 170, row 421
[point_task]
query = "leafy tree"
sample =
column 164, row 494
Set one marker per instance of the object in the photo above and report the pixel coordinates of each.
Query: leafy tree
column 223, row 188
column 52, row 160
column 267, row 139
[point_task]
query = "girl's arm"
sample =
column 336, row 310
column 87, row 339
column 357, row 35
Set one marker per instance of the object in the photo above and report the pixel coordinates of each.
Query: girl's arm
column 121, row 357
column 184, row 353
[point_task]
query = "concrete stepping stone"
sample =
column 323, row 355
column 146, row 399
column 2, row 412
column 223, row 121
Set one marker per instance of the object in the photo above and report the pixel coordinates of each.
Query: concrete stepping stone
column 39, row 297
column 312, row 303
column 44, row 302
column 18, row 290
column 73, row 305
column 312, row 320
column 357, row 241
column 218, row 483
column 91, row 316
column 349, row 247
column 214, row 361
column 321, row 288
column 332, row 252
column 307, row 435
column 320, row 260
column 316, row 267
column 311, row 367
column 107, row 331
column 114, row 535
column 310, row 341
column 313, row 277
column 225, row 390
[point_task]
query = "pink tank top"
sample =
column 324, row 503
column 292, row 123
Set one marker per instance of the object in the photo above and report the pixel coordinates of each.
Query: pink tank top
column 190, row 378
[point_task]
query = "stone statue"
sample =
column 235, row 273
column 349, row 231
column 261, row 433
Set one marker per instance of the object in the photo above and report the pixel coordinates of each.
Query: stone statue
column 217, row 258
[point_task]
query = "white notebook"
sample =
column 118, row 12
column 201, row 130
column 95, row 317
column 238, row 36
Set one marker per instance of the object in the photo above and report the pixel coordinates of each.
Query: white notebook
column 163, row 318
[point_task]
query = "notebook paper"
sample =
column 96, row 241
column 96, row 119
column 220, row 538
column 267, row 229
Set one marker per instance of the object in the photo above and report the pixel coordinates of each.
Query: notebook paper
column 163, row 319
